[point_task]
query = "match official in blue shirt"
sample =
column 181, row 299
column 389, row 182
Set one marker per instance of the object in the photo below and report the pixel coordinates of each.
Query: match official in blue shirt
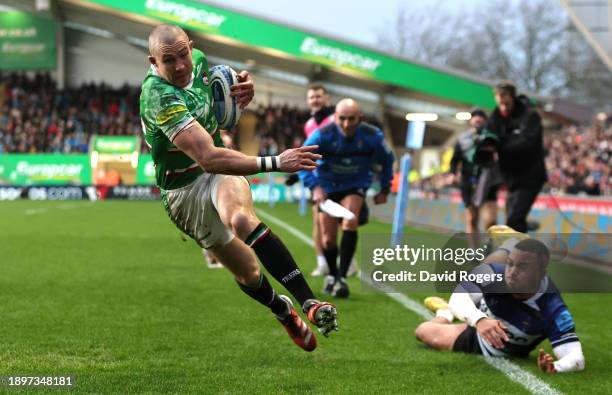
column 351, row 151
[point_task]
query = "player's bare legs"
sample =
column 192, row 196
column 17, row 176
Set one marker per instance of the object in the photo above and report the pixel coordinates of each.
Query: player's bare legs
column 212, row 262
column 353, row 270
column 321, row 268
column 235, row 207
column 439, row 333
column 335, row 283
column 348, row 243
column 489, row 214
column 328, row 226
column 471, row 225
column 240, row 261
column 471, row 219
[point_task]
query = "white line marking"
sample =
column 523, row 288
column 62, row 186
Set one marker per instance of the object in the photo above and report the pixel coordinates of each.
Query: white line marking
column 520, row 376
column 32, row 211
column 402, row 299
column 297, row 233
column 511, row 370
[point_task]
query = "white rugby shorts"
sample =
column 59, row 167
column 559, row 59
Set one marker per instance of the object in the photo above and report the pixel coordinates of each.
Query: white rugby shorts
column 193, row 209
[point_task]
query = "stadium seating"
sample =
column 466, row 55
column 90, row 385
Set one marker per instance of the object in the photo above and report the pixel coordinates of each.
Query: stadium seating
column 37, row 117
column 579, row 160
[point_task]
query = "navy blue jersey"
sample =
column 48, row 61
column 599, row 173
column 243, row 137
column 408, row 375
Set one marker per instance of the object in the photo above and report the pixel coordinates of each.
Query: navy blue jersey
column 348, row 161
column 543, row 316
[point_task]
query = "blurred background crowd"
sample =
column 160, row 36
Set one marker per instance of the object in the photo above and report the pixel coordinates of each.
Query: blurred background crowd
column 37, row 117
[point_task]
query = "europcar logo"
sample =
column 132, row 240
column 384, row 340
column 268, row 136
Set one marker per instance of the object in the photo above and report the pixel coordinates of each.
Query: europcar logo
column 35, row 171
column 115, row 145
column 340, row 57
column 184, row 13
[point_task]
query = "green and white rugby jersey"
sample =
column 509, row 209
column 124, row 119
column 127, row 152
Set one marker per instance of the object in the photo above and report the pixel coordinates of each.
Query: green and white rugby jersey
column 165, row 110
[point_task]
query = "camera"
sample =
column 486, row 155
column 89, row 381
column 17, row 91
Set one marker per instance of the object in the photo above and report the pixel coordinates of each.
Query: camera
column 485, row 144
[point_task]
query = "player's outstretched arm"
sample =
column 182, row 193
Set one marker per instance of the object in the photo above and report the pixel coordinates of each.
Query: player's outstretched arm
column 570, row 359
column 196, row 142
column 301, row 158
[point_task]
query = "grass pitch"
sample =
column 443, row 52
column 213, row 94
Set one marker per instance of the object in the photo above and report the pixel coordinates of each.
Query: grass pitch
column 108, row 293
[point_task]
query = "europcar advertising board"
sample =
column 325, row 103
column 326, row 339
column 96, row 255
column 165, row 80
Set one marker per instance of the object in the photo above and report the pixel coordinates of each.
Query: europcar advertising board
column 115, row 144
column 54, row 169
column 262, row 34
column 27, row 42
column 44, row 169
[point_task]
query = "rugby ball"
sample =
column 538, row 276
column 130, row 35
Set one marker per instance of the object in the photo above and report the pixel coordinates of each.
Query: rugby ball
column 226, row 110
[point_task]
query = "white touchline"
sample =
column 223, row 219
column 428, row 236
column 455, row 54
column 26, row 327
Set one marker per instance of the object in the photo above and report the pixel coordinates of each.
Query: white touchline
column 511, row 370
column 32, row 211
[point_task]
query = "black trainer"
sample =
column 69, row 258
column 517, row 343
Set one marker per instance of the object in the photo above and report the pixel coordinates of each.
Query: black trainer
column 341, row 289
column 328, row 285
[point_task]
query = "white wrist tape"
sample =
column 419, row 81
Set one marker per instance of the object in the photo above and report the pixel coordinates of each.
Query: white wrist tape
column 268, row 163
column 571, row 358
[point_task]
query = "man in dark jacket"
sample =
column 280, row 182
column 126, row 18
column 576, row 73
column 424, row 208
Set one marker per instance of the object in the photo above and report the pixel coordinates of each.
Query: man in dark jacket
column 518, row 126
column 477, row 179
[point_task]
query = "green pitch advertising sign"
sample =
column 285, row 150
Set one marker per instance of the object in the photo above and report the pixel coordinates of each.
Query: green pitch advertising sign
column 44, row 169
column 54, row 169
column 27, row 42
column 115, row 144
column 313, row 48
column 145, row 172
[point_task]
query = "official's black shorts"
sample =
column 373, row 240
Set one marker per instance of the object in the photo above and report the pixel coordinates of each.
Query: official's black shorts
column 364, row 214
column 339, row 195
column 467, row 342
column 468, row 190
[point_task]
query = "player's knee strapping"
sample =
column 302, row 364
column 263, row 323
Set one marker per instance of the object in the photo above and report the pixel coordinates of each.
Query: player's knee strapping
column 278, row 261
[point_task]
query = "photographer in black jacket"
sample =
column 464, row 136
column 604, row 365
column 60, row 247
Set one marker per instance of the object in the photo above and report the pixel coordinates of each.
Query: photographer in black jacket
column 518, row 127
column 473, row 167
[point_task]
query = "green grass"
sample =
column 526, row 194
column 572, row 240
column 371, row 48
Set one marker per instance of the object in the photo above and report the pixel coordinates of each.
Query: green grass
column 109, row 293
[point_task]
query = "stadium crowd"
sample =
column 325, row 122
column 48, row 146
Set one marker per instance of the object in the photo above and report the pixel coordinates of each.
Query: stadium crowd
column 280, row 127
column 579, row 160
column 37, row 117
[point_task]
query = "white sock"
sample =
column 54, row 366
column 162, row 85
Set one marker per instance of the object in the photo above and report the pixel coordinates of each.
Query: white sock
column 321, row 262
column 445, row 313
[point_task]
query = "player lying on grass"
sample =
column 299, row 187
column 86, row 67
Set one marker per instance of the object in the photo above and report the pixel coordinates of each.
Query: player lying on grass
column 509, row 317
column 212, row 207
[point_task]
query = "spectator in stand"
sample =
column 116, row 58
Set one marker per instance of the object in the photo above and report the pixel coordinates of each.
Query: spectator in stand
column 37, row 117
column 579, row 160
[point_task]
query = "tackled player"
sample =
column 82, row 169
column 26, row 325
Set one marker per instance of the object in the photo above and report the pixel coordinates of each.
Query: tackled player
column 508, row 318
